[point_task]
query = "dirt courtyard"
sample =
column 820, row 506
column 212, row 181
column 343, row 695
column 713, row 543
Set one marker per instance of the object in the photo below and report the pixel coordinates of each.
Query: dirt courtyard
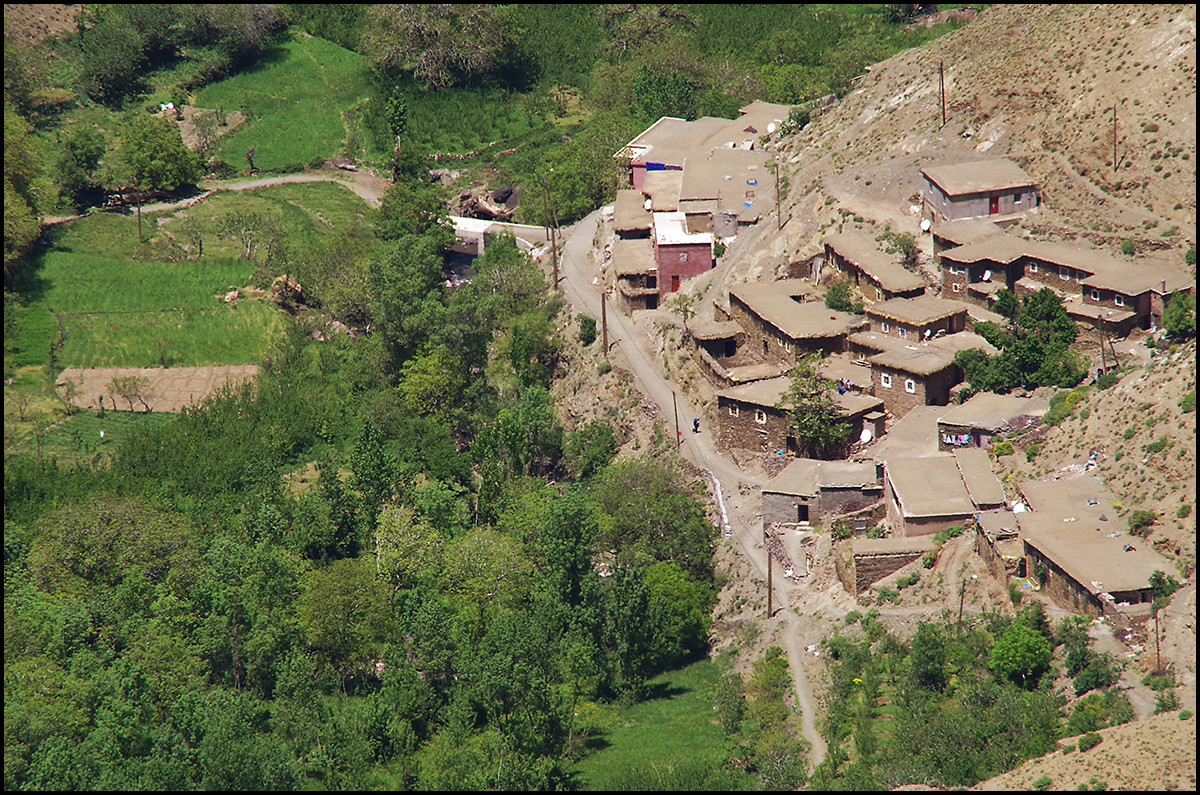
column 168, row 389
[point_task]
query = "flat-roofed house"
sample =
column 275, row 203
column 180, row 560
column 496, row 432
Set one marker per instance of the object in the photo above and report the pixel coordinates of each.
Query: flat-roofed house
column 807, row 491
column 929, row 494
column 755, row 416
column 921, row 374
column 727, row 189
column 917, row 319
column 636, row 274
column 977, row 271
column 985, row 415
column 1081, row 555
column 786, row 320
column 878, row 275
column 976, row 190
column 678, row 253
column 631, row 215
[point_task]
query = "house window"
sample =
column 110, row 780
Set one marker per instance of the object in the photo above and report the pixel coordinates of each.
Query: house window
column 733, row 411
column 760, row 416
column 956, row 268
column 1016, row 198
column 1095, row 295
column 787, row 346
column 886, row 380
column 956, row 288
column 683, row 256
column 1033, row 267
column 903, row 333
column 1064, row 274
column 884, row 327
column 878, row 294
column 910, row 386
column 1118, row 299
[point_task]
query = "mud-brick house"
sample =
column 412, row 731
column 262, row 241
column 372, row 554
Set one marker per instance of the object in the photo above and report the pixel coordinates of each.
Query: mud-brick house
column 879, row 276
column 814, row 492
column 920, row 374
column 786, row 320
column 678, row 253
column 754, row 416
column 975, row 190
column 727, row 190
column 998, row 544
column 976, row 272
column 1088, row 565
column 631, row 216
column 930, row 494
column 985, row 415
column 636, row 274
column 917, row 319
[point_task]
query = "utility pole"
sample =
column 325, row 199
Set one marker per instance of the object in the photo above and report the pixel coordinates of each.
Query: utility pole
column 1114, row 139
column 604, row 319
column 770, row 590
column 942, row 84
column 778, row 203
column 678, row 433
column 548, row 216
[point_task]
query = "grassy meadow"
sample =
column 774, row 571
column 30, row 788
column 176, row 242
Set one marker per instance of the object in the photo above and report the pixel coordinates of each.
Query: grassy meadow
column 672, row 740
column 297, row 100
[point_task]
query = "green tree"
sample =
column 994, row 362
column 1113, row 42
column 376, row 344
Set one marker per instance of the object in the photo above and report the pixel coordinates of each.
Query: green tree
column 1021, row 654
column 819, row 424
column 837, row 297
column 1179, row 316
column 78, row 163
column 112, row 58
column 343, row 615
column 26, row 191
column 648, row 514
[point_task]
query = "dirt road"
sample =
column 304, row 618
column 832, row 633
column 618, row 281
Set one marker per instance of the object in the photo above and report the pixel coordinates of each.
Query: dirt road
column 630, row 347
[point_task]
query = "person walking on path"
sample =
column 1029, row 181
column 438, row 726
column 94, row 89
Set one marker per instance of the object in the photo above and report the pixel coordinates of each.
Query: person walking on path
column 696, row 425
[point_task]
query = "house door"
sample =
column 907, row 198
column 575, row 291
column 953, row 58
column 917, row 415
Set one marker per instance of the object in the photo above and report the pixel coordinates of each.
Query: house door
column 674, row 284
column 801, row 513
column 994, row 205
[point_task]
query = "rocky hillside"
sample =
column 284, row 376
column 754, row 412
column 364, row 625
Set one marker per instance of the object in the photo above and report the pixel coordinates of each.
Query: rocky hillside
column 1036, row 83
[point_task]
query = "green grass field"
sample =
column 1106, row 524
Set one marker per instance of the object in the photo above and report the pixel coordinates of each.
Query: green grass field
column 296, row 99
column 670, row 741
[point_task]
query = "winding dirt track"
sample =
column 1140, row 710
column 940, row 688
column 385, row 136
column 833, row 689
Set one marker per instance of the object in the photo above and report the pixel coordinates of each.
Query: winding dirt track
column 628, row 342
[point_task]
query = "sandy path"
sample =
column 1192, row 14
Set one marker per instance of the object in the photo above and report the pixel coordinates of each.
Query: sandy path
column 631, row 347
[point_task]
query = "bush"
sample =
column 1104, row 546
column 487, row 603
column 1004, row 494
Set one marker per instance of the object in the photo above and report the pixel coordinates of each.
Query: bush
column 1032, row 451
column 1188, row 402
column 1089, row 741
column 1140, row 522
column 604, row 367
column 1003, row 448
column 587, row 330
column 1184, row 714
column 1099, row 673
column 1043, row 783
column 887, row 595
column 1183, row 510
column 928, row 559
column 1167, row 701
column 908, row 580
column 1108, row 380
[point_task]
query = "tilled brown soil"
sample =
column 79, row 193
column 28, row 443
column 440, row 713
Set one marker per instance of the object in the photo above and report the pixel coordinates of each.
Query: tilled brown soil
column 168, row 389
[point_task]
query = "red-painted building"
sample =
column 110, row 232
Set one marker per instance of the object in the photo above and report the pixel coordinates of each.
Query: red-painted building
column 679, row 253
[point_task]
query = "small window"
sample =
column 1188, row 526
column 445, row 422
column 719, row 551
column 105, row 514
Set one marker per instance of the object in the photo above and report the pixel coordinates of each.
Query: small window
column 733, row 411
column 1064, row 274
column 1033, row 267
column 903, row 333
column 683, row 256
column 1118, row 299
column 1016, row 198
column 1095, row 295
column 910, row 386
column 956, row 269
column 878, row 294
column 760, row 416
column 787, row 346
column 956, row 288
column 886, row 380
column 884, row 326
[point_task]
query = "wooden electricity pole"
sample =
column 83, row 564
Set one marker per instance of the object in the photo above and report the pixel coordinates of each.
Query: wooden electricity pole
column 770, row 590
column 550, row 216
column 604, row 320
column 1114, row 139
column 778, row 203
column 942, row 85
column 678, row 433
